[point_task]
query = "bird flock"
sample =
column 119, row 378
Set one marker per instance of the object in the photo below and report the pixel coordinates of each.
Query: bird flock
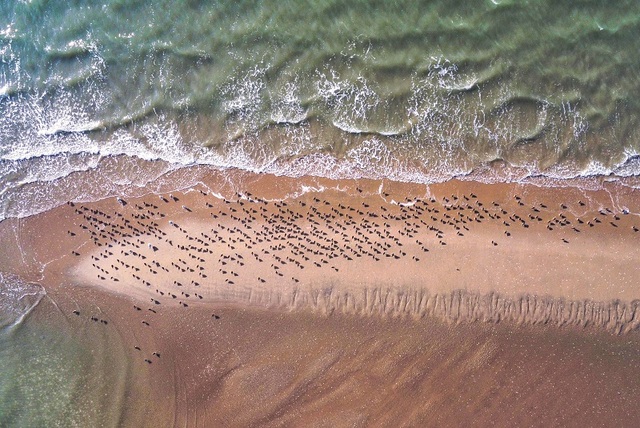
column 177, row 250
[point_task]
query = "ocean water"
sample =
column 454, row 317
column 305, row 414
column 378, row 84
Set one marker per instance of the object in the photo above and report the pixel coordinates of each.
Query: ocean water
column 410, row 90
column 102, row 98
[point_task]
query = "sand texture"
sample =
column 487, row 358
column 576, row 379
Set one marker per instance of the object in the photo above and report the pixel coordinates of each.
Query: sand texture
column 282, row 302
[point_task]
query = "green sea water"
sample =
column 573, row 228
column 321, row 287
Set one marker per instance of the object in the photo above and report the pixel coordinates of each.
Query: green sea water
column 409, row 90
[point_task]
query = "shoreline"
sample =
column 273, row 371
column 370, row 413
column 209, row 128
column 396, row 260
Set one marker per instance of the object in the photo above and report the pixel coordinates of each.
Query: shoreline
column 288, row 242
column 163, row 176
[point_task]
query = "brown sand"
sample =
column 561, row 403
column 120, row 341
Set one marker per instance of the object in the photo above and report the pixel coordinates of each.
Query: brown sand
column 332, row 311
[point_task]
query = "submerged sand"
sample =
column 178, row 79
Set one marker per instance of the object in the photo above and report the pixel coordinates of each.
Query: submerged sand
column 254, row 299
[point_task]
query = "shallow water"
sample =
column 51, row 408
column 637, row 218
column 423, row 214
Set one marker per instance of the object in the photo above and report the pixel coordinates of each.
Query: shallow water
column 56, row 371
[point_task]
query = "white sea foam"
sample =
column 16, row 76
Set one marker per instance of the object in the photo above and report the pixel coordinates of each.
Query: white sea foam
column 349, row 103
column 63, row 126
column 8, row 32
column 286, row 105
column 47, row 138
column 243, row 100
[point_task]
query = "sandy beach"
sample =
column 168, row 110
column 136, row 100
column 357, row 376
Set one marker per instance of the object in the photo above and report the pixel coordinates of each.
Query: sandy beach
column 319, row 214
column 260, row 300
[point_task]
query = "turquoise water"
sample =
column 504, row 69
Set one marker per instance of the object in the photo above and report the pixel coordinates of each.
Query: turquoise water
column 410, row 90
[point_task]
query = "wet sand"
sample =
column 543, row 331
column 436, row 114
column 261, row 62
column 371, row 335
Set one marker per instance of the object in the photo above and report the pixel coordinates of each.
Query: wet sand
column 261, row 300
